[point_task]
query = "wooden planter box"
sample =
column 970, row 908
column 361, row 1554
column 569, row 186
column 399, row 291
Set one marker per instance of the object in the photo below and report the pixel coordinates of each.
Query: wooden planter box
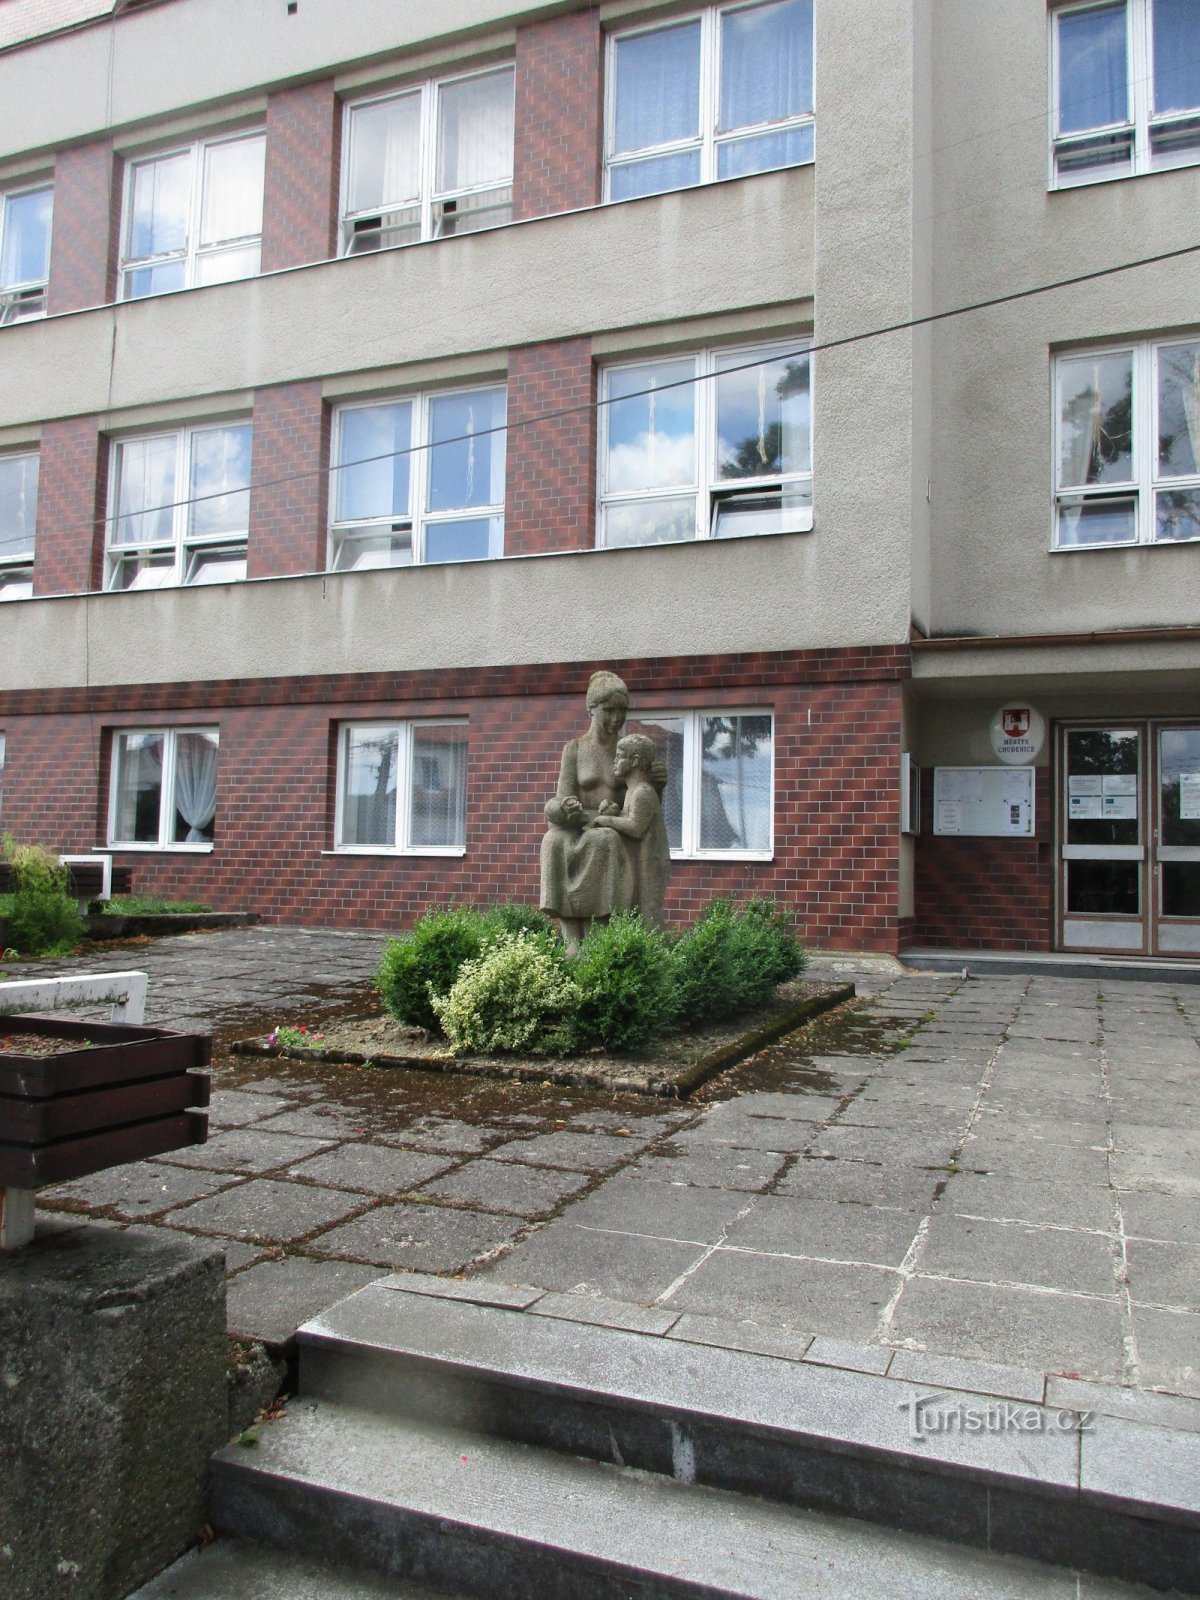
column 129, row 1093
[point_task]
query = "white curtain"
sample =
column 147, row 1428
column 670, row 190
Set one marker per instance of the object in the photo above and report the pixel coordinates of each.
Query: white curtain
column 475, row 132
column 766, row 63
column 196, row 782
column 1189, row 394
column 658, row 88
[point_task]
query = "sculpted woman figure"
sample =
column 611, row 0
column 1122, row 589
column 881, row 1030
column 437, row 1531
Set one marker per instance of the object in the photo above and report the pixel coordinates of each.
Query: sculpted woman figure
column 590, row 872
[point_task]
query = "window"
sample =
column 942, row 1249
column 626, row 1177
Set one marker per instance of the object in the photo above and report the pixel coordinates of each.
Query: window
column 3, row 742
column 719, row 95
column 179, row 507
column 429, row 162
column 1126, row 88
column 24, row 253
column 719, row 798
column 193, row 216
column 686, row 459
column 164, row 788
column 418, row 480
column 1128, row 447
column 18, row 515
column 402, row 786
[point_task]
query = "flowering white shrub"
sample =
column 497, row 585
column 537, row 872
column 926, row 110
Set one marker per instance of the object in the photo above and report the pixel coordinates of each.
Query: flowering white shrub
column 513, row 996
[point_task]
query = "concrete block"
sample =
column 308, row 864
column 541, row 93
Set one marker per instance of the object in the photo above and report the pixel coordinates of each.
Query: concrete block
column 112, row 1398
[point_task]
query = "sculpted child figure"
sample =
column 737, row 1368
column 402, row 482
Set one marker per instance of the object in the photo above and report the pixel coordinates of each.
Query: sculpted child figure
column 640, row 821
column 589, row 873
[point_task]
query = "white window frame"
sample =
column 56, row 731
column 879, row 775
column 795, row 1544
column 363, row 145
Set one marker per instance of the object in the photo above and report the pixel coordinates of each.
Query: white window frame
column 709, row 140
column 693, row 765
column 3, row 761
column 184, row 546
column 166, row 806
column 25, row 300
column 709, row 489
column 1141, row 124
column 431, row 201
column 16, row 571
column 1145, row 483
column 406, row 727
column 419, row 518
column 192, row 251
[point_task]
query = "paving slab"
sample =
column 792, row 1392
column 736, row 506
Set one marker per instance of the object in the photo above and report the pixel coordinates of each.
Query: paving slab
column 372, row 1168
column 270, row 1300
column 429, row 1238
column 841, row 1300
column 823, row 1231
column 246, row 1150
column 508, row 1186
column 141, row 1189
column 264, row 1209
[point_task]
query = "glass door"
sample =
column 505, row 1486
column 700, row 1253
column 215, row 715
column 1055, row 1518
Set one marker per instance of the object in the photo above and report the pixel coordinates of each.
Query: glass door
column 1103, row 891
column 1177, row 841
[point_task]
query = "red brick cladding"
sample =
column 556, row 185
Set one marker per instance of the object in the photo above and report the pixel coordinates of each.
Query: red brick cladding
column 68, row 548
column 559, row 115
column 300, row 187
column 288, row 519
column 976, row 894
column 836, row 845
column 87, row 217
column 550, row 469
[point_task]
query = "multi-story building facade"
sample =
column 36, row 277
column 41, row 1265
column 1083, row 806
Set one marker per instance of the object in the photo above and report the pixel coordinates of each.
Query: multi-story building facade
column 373, row 373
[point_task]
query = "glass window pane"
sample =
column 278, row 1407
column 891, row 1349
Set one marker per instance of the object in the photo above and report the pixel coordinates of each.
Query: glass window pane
column 1180, row 888
column 475, row 132
column 225, row 266
column 1179, row 407
column 18, row 504
column 369, row 776
column 1096, row 419
column 766, row 63
column 1179, row 775
column 1102, row 786
column 216, row 566
column 16, row 583
column 385, row 154
column 660, row 521
column 765, row 512
column 468, row 539
column 632, row 178
column 735, row 782
column 737, row 158
column 373, row 466
column 364, row 552
column 1096, row 522
column 1177, row 514
column 145, row 490
column 220, row 480
column 195, row 787
column 1176, row 55
column 651, row 426
column 438, row 802
column 1104, row 888
column 764, row 416
column 667, row 733
column 158, row 211
column 167, row 275
column 466, row 461
column 468, row 213
column 1092, row 71
column 232, row 203
column 139, row 758
column 25, row 246
column 143, row 572
column 657, row 94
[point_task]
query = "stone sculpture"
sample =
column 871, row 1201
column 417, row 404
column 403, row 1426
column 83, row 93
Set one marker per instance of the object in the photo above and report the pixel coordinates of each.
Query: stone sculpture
column 600, row 855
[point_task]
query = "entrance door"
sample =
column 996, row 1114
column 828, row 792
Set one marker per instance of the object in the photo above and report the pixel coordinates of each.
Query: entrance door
column 1129, row 831
column 1103, row 891
column 1177, row 840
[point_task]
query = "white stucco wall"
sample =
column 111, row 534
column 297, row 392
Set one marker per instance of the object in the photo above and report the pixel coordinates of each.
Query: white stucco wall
column 996, row 228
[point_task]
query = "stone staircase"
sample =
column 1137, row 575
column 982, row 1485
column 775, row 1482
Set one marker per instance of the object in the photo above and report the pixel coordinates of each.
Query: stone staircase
column 441, row 1445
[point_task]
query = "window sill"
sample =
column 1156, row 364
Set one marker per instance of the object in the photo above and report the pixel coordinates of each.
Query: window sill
column 446, row 852
column 114, row 848
column 1126, row 545
column 1121, row 177
column 723, row 855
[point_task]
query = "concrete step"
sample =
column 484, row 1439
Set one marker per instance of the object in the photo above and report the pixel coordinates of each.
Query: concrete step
column 1121, row 1497
column 240, row 1569
column 487, row 1517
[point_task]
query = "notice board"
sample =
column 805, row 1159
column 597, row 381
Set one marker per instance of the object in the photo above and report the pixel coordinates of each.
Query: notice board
column 990, row 802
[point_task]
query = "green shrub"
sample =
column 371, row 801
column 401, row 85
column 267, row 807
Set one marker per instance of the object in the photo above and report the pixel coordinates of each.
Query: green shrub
column 513, row 996
column 624, row 977
column 429, row 958
column 732, row 959
column 513, row 918
column 43, row 919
